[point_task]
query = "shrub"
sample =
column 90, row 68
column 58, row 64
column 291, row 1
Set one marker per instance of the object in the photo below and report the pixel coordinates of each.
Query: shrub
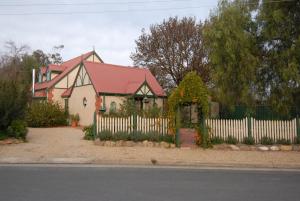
column 217, row 140
column 249, row 140
column 231, row 140
column 121, row 135
column 266, row 141
column 88, row 132
column 138, row 136
column 105, row 135
column 297, row 140
column 3, row 135
column 45, row 114
column 168, row 138
column 154, row 136
column 17, row 129
column 75, row 117
column 283, row 141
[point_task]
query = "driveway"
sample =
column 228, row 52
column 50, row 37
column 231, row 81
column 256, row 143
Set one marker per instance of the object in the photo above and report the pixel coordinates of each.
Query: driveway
column 66, row 145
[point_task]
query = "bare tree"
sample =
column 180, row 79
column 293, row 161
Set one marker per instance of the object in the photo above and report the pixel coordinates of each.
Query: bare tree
column 172, row 49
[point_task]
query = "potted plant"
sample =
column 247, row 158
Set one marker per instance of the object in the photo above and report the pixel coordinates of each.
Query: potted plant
column 75, row 119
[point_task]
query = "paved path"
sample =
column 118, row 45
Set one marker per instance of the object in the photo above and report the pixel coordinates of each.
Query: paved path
column 66, row 145
column 147, row 184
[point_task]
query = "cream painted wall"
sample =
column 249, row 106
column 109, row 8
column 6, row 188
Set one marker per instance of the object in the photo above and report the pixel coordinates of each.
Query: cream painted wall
column 68, row 79
column 53, row 75
column 57, row 96
column 117, row 99
column 93, row 58
column 76, row 104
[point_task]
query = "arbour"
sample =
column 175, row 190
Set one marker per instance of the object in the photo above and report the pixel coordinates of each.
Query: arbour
column 191, row 90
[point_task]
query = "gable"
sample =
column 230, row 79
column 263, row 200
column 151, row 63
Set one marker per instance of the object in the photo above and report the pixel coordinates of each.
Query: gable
column 144, row 90
column 82, row 78
column 68, row 79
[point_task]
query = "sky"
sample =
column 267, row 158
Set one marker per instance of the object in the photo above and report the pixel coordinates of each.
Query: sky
column 109, row 26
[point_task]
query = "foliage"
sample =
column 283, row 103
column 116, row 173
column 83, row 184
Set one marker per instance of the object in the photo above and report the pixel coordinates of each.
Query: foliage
column 75, row 117
column 135, row 136
column 217, row 140
column 105, row 135
column 297, row 140
column 88, row 132
column 266, row 141
column 152, row 112
column 249, row 140
column 190, row 91
column 231, row 140
column 17, row 129
column 13, row 98
column 45, row 114
column 128, row 107
column 280, row 46
column 233, row 53
column 172, row 49
column 3, row 135
column 283, row 141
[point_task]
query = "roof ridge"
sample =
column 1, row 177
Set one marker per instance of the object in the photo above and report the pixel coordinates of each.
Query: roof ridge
column 118, row 66
column 87, row 53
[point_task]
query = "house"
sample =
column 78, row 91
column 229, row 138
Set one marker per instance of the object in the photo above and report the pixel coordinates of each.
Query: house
column 85, row 84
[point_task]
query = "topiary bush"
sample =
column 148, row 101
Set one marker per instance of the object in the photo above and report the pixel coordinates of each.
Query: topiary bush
column 266, row 141
column 45, row 114
column 231, row 140
column 18, row 129
column 249, row 140
column 283, row 141
column 217, row 140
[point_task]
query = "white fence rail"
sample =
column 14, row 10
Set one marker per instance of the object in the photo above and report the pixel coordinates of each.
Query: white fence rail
column 259, row 128
column 127, row 124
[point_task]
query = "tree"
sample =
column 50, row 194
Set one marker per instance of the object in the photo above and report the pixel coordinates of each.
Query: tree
column 172, row 49
column 230, row 37
column 44, row 59
column 279, row 73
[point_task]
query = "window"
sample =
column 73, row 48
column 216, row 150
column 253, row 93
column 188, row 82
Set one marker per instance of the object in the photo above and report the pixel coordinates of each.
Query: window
column 113, row 107
column 48, row 75
column 40, row 77
column 66, row 105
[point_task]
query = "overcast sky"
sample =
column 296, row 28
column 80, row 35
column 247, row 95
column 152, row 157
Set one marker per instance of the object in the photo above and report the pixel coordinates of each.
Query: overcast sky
column 111, row 26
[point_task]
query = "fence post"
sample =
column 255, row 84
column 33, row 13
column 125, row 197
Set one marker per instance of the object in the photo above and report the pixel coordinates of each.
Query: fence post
column 249, row 126
column 177, row 127
column 95, row 125
column 134, row 121
column 298, row 126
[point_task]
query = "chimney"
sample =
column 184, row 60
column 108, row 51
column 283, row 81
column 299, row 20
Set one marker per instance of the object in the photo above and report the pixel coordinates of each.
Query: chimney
column 33, row 81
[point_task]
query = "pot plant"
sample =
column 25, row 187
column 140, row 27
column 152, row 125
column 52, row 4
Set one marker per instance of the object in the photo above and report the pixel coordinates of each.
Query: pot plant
column 74, row 120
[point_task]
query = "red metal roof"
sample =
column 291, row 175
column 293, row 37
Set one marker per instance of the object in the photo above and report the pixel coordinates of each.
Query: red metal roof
column 55, row 67
column 40, row 94
column 115, row 79
column 68, row 66
column 67, row 93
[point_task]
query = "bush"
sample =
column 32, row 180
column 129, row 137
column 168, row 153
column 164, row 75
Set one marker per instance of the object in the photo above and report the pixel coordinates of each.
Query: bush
column 266, row 141
column 17, row 129
column 121, row 135
column 297, row 140
column 168, row 138
column 3, row 135
column 217, row 140
column 283, row 141
column 45, row 114
column 138, row 136
column 88, row 132
column 105, row 135
column 231, row 140
column 249, row 140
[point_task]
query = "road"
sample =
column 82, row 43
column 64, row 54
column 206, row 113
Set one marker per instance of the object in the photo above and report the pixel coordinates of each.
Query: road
column 45, row 183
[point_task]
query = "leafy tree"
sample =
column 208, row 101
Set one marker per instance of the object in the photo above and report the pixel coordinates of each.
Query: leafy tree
column 279, row 35
column 230, row 37
column 172, row 49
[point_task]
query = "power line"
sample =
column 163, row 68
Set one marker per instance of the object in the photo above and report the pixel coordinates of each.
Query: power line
column 103, row 12
column 90, row 3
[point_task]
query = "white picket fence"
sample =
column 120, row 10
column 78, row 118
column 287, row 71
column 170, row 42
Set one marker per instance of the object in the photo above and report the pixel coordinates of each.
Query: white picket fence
column 239, row 128
column 126, row 124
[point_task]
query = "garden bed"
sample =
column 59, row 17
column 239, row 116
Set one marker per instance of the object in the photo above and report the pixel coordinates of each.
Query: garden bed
column 145, row 143
column 243, row 147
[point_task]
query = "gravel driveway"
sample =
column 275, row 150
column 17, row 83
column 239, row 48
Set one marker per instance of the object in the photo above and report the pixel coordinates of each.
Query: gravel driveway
column 66, row 145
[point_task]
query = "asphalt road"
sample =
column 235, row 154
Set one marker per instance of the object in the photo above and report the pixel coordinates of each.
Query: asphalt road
column 144, row 184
